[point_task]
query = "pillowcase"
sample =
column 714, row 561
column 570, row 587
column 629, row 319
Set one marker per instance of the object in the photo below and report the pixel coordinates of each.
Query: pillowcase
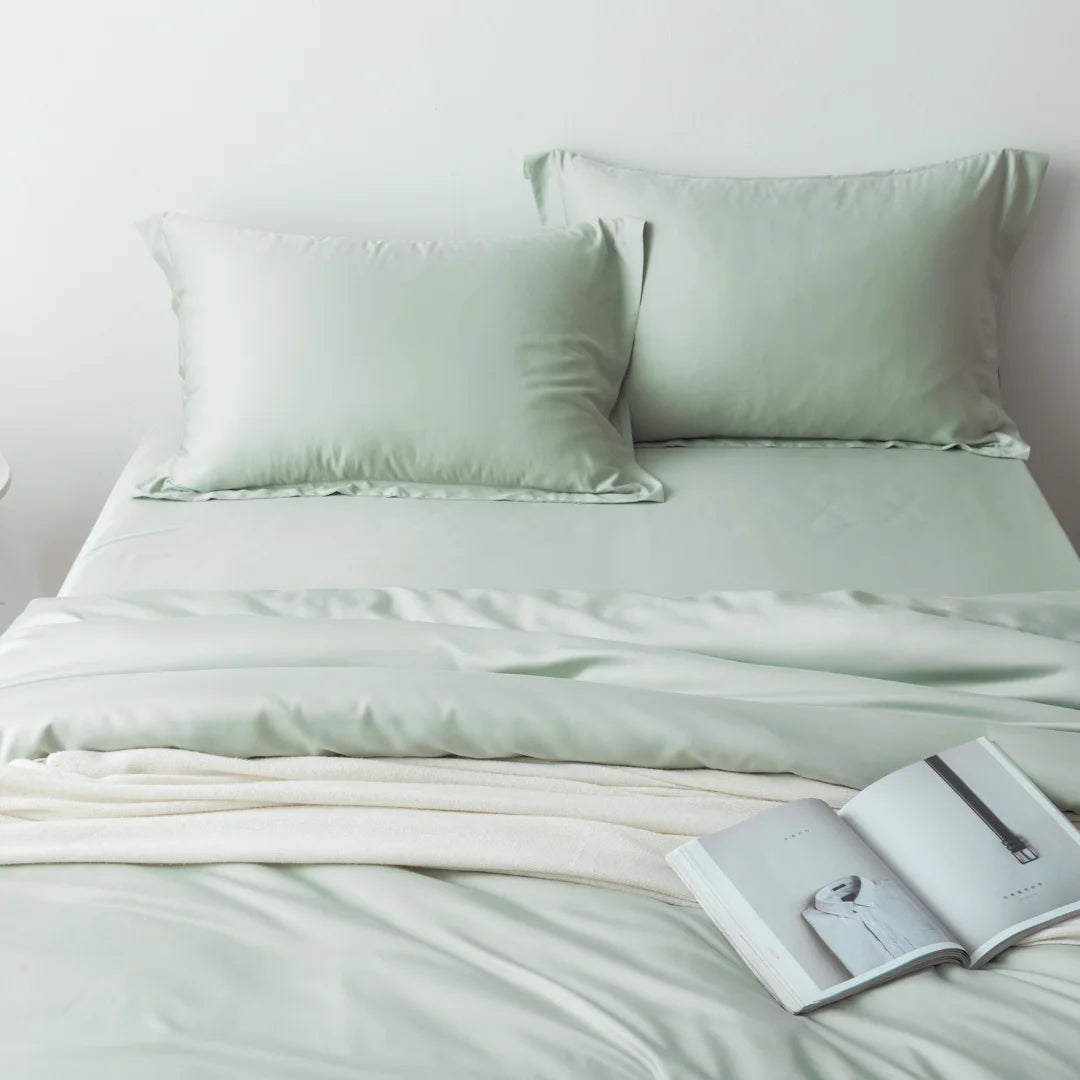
column 844, row 308
column 482, row 370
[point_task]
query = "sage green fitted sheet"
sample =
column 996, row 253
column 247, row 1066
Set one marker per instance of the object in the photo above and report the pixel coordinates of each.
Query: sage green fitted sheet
column 734, row 518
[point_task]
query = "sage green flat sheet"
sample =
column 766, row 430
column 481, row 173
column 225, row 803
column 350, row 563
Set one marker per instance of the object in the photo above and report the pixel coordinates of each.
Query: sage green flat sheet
column 841, row 687
column 313, row 971
column 339, row 972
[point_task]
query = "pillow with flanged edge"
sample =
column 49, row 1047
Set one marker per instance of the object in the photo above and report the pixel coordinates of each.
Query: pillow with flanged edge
column 468, row 369
column 851, row 310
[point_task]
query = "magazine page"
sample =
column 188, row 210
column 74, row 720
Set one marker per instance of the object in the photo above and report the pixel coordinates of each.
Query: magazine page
column 815, row 911
column 976, row 841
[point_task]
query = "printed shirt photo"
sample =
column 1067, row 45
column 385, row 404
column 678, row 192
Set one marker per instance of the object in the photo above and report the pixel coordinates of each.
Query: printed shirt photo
column 868, row 923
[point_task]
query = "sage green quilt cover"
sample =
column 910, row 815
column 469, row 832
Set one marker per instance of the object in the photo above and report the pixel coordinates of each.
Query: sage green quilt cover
column 315, row 971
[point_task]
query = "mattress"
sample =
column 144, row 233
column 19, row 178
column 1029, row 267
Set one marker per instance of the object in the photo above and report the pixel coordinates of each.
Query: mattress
column 735, row 518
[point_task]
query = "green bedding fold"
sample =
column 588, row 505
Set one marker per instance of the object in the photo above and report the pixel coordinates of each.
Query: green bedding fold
column 326, row 971
column 840, row 687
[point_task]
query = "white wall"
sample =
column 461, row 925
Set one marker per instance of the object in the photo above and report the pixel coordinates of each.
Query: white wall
column 406, row 117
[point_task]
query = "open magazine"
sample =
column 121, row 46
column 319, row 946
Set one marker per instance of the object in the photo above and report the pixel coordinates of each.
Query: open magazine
column 952, row 858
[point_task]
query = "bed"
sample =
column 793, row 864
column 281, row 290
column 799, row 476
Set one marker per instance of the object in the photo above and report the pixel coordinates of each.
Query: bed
column 245, row 970
column 357, row 737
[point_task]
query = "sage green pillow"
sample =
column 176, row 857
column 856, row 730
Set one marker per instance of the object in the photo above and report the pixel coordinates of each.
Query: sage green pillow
column 843, row 308
column 483, row 370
